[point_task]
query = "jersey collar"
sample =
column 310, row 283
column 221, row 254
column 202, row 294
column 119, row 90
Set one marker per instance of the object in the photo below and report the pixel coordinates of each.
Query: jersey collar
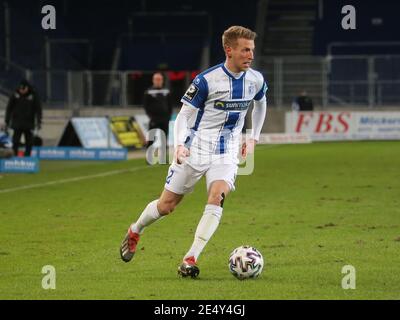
column 231, row 74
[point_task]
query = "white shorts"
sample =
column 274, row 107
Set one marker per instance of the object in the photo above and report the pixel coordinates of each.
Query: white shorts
column 182, row 178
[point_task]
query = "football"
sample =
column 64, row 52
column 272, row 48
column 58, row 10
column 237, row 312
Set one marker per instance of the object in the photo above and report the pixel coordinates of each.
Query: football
column 246, row 262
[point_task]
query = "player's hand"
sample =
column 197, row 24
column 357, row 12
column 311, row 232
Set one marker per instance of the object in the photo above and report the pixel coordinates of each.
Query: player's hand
column 248, row 147
column 181, row 153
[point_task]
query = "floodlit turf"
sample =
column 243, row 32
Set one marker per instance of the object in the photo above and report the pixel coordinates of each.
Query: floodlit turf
column 310, row 209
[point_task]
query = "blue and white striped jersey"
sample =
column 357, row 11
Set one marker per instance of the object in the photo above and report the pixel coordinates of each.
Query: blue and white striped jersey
column 222, row 100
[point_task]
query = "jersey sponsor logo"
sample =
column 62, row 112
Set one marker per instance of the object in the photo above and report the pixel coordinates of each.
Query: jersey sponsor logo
column 191, row 92
column 232, row 105
column 222, row 92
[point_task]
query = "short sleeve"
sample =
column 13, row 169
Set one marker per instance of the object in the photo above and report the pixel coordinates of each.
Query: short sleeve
column 197, row 93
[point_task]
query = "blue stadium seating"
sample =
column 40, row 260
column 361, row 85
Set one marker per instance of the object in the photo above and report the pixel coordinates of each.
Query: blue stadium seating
column 104, row 23
column 376, row 21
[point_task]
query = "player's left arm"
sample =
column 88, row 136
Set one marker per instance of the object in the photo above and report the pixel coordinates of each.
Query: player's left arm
column 257, row 120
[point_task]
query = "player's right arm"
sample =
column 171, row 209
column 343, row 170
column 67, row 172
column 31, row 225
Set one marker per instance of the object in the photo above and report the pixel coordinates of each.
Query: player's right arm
column 180, row 132
column 193, row 100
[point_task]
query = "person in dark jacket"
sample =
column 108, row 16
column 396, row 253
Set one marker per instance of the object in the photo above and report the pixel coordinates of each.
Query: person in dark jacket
column 157, row 104
column 23, row 115
column 303, row 102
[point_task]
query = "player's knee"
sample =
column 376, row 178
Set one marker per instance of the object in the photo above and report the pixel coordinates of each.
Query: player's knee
column 216, row 198
column 166, row 207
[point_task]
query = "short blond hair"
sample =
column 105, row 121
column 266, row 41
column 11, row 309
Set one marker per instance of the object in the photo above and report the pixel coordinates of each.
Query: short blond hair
column 232, row 34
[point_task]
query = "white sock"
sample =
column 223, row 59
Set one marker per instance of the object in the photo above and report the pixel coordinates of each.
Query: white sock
column 205, row 229
column 149, row 215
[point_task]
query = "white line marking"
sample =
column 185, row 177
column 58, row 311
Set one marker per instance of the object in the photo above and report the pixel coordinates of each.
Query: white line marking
column 99, row 175
column 51, row 183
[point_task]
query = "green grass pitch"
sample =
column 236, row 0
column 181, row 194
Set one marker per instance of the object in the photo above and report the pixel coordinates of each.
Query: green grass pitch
column 310, row 210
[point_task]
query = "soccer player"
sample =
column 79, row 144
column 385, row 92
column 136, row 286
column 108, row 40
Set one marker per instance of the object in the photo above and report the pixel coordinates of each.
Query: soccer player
column 206, row 137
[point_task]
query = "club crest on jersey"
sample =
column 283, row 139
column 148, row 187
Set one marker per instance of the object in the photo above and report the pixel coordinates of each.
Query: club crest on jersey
column 191, row 92
column 232, row 105
column 252, row 89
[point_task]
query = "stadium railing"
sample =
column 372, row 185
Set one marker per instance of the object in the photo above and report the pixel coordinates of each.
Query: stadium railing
column 339, row 81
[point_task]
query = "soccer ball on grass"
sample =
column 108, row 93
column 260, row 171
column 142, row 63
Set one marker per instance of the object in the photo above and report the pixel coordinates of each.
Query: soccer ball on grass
column 246, row 262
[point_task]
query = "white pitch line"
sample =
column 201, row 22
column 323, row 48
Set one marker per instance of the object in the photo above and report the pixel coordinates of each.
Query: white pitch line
column 99, row 175
column 51, row 183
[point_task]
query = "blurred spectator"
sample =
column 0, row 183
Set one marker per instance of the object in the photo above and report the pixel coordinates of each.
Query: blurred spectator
column 5, row 144
column 157, row 104
column 23, row 115
column 303, row 102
